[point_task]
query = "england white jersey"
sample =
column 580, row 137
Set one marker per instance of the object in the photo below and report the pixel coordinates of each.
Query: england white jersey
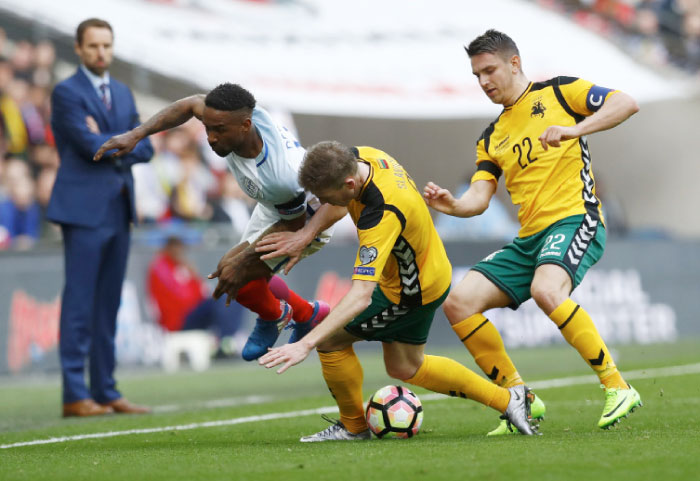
column 272, row 177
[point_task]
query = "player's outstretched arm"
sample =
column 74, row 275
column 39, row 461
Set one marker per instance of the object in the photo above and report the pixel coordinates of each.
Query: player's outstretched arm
column 350, row 306
column 617, row 108
column 292, row 244
column 171, row 116
column 473, row 202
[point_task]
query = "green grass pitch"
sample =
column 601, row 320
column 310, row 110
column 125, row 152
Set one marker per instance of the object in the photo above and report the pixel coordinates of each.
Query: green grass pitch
column 223, row 434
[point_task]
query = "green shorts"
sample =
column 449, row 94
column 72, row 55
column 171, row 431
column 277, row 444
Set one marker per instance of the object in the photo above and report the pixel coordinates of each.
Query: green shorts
column 388, row 322
column 574, row 243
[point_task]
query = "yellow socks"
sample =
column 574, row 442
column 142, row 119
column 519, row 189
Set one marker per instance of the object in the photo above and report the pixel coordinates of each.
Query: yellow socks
column 446, row 376
column 484, row 343
column 578, row 329
column 343, row 374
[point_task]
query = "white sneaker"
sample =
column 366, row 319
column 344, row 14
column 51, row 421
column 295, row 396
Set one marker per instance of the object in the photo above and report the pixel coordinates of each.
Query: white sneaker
column 518, row 410
column 335, row 432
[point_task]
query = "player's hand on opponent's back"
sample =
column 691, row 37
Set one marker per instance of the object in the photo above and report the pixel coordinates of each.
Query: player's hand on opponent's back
column 123, row 143
column 289, row 354
column 279, row 244
column 438, row 198
column 555, row 134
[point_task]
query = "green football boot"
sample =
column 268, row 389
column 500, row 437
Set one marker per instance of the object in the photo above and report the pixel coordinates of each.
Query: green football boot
column 537, row 410
column 619, row 403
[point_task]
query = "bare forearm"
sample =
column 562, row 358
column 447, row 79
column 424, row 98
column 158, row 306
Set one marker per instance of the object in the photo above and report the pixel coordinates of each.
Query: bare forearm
column 475, row 200
column 325, row 216
column 173, row 115
column 468, row 207
column 616, row 109
column 349, row 307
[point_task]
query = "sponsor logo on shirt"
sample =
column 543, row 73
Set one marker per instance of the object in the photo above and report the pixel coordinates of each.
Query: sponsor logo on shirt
column 367, row 255
column 502, row 144
column 364, row 271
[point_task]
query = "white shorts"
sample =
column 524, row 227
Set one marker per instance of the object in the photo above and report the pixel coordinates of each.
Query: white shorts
column 262, row 218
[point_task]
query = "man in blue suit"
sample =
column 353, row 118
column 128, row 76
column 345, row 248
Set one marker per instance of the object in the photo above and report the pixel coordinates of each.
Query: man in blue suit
column 94, row 204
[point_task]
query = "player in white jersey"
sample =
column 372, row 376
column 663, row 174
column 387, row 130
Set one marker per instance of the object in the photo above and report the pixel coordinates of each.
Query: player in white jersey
column 265, row 159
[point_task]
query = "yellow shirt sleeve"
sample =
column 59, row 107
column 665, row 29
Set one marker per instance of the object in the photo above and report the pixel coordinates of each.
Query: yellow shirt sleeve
column 486, row 167
column 585, row 97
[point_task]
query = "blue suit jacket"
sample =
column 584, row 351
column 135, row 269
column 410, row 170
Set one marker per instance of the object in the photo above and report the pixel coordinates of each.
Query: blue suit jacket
column 84, row 188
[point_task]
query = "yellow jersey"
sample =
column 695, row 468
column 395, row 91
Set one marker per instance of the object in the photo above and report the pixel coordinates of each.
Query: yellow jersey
column 547, row 185
column 399, row 246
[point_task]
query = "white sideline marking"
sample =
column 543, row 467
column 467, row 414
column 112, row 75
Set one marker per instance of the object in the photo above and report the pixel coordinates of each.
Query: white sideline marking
column 181, row 427
column 550, row 383
column 628, row 375
column 214, row 403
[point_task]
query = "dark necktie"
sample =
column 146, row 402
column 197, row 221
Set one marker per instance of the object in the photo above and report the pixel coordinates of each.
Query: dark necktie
column 104, row 96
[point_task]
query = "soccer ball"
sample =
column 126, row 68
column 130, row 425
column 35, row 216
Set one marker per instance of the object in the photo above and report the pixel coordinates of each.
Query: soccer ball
column 394, row 411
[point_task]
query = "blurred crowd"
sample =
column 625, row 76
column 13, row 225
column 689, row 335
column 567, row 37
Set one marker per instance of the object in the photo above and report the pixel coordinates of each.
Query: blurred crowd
column 658, row 32
column 28, row 159
column 186, row 183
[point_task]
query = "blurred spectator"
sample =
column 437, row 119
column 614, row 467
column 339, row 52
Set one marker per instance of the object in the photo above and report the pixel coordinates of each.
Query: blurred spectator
column 153, row 185
column 15, row 129
column 22, row 60
column 15, row 169
column 648, row 44
column 189, row 195
column 183, row 302
column 44, row 59
column 44, row 185
column 34, row 123
column 20, row 213
column 691, row 42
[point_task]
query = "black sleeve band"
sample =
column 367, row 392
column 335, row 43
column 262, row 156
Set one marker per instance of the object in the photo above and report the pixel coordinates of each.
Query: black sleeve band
column 295, row 202
column 490, row 167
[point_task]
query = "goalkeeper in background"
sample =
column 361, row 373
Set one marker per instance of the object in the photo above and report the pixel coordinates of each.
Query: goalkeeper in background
column 538, row 143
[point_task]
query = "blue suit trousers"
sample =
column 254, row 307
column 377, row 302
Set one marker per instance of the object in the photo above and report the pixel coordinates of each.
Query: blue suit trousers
column 95, row 265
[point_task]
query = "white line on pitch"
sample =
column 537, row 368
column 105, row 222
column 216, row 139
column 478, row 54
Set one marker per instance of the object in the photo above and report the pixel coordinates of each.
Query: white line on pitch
column 551, row 383
column 181, row 427
column 215, row 403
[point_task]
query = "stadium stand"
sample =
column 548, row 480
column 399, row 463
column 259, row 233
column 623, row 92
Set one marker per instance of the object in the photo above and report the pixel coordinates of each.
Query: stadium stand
column 658, row 32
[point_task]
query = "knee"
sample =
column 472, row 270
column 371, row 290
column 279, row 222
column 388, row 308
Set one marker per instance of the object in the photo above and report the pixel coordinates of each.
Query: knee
column 547, row 296
column 457, row 308
column 402, row 371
